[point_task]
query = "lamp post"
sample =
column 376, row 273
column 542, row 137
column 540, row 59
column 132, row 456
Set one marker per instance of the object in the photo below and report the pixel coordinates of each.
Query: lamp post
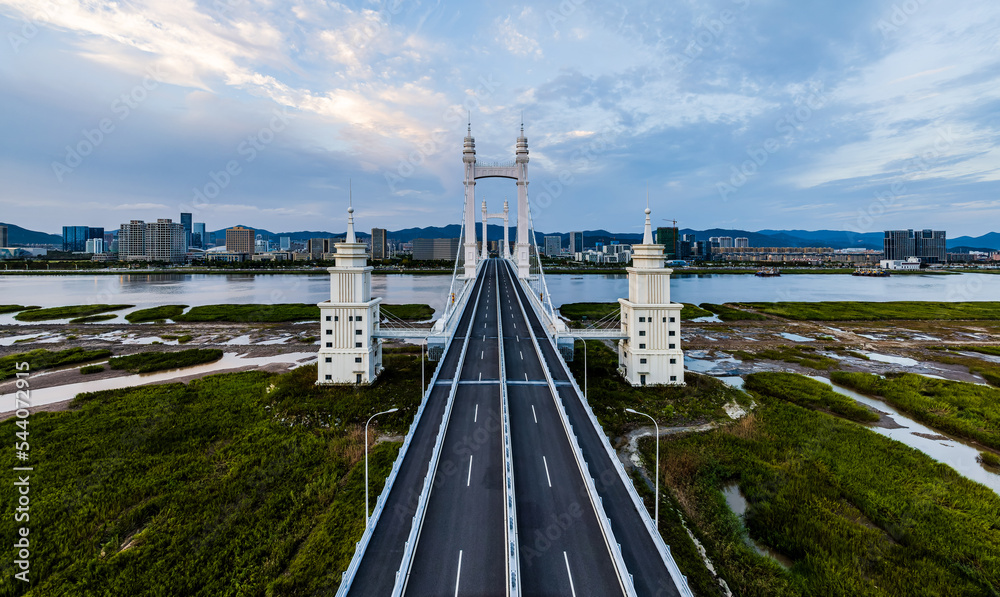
column 656, row 498
column 385, row 412
column 584, row 364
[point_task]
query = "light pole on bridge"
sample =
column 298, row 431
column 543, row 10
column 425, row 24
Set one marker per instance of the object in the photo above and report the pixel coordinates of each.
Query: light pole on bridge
column 385, row 412
column 656, row 495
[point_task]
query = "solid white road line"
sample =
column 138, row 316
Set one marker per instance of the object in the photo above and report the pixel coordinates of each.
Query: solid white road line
column 458, row 575
column 468, row 479
column 533, row 414
column 568, row 573
column 475, row 417
column 545, row 462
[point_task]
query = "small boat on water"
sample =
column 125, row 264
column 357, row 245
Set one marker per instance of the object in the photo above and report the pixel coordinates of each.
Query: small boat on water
column 768, row 272
column 871, row 272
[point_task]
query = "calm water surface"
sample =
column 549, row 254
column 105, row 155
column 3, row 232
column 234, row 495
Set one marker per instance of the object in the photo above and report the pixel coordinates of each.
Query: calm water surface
column 148, row 290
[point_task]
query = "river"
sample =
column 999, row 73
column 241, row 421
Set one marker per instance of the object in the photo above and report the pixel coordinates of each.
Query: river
column 150, row 290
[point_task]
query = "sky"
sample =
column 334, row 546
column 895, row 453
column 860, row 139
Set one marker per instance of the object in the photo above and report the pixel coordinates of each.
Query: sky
column 859, row 115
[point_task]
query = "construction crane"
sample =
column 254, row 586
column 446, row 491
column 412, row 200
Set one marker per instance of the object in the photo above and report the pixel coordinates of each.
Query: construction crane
column 669, row 220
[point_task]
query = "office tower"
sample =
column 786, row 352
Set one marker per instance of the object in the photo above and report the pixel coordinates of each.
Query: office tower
column 553, row 245
column 198, row 238
column 4, row 241
column 75, row 237
column 239, row 240
column 899, row 245
column 165, row 241
column 186, row 223
column 380, row 249
column 576, row 242
column 742, row 242
column 434, row 248
column 930, row 246
column 95, row 245
column 285, row 243
column 669, row 238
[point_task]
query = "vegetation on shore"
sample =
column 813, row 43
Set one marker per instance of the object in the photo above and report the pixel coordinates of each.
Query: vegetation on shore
column 987, row 370
column 408, row 312
column 285, row 312
column 858, row 514
column 160, row 313
column 147, row 362
column 989, row 459
column 798, row 354
column 94, row 318
column 874, row 311
column 726, row 313
column 67, row 312
column 577, row 312
column 966, row 410
column 13, row 308
column 700, row 401
column 89, row 369
column 247, row 483
column 809, row 393
column 41, row 358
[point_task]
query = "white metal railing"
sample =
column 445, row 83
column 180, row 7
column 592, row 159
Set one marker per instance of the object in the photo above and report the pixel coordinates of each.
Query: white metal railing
column 675, row 573
column 418, row 518
column 614, row 548
column 510, row 508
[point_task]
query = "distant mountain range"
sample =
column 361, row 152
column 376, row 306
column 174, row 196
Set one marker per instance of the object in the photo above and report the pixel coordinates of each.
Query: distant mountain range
column 837, row 239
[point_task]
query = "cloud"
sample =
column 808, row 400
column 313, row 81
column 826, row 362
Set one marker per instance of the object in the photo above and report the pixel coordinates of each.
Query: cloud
column 511, row 36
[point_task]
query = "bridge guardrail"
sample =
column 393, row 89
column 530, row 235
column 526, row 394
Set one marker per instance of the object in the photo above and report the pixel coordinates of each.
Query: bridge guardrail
column 513, row 553
column 614, row 548
column 675, row 573
column 418, row 518
column 359, row 552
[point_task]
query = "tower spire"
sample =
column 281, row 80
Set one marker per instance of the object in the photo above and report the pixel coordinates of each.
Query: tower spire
column 647, row 236
column 351, row 238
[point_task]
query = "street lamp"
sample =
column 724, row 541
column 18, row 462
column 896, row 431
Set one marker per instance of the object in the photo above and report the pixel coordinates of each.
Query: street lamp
column 656, row 498
column 584, row 364
column 385, row 412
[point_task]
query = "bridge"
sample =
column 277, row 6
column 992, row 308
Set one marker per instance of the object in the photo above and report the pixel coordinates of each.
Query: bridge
column 505, row 483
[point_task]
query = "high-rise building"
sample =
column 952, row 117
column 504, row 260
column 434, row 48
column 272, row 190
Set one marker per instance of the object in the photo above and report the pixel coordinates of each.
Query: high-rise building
column 553, row 246
column 576, row 242
column 931, row 246
column 198, row 238
column 165, row 241
column 4, row 241
column 669, row 237
column 285, row 243
column 380, row 248
column 186, row 223
column 726, row 242
column 899, row 245
column 132, row 241
column 434, row 248
column 75, row 237
column 742, row 242
column 95, row 245
column 239, row 240
column 316, row 247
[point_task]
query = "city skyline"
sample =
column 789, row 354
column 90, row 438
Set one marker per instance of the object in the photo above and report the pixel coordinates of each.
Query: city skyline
column 877, row 120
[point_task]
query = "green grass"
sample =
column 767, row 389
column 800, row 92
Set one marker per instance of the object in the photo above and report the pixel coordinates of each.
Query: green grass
column 156, row 313
column 991, row 350
column 147, row 362
column 859, row 514
column 700, row 401
column 987, row 370
column 730, row 314
column 41, row 358
column 252, row 313
column 809, row 393
column 216, row 487
column 798, row 354
column 181, row 339
column 409, row 312
column 872, row 311
column 990, row 459
column 93, row 318
column 595, row 311
column 12, row 308
column 967, row 410
column 67, row 312
column 88, row 369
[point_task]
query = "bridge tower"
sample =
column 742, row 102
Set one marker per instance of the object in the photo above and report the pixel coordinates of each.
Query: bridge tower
column 523, row 222
column 349, row 354
column 469, row 159
column 651, row 355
